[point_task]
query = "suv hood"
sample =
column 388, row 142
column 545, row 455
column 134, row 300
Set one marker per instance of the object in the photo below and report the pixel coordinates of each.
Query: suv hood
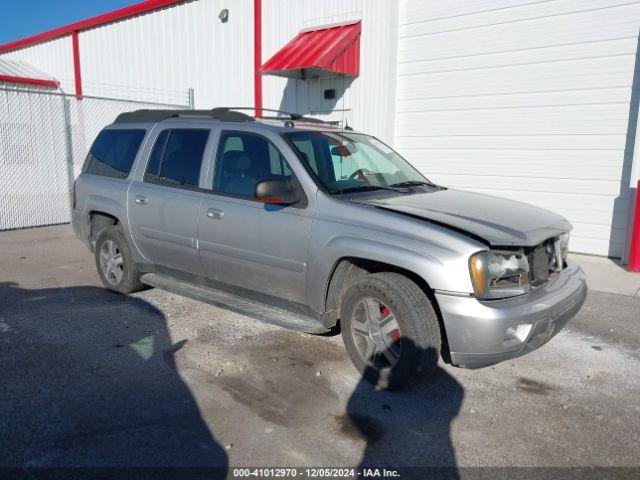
column 498, row 221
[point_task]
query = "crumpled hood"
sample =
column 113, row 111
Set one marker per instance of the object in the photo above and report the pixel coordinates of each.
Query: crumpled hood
column 500, row 222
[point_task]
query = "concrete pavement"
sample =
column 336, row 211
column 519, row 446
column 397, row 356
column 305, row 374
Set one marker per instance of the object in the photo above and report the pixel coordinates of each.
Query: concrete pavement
column 93, row 378
column 608, row 275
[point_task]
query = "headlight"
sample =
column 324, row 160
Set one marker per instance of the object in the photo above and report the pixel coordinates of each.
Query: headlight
column 497, row 274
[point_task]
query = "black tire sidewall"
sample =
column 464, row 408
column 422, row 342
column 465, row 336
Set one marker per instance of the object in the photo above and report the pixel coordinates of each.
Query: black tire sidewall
column 407, row 315
column 130, row 277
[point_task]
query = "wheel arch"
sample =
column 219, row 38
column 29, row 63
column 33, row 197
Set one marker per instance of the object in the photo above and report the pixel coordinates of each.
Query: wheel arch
column 348, row 269
column 98, row 222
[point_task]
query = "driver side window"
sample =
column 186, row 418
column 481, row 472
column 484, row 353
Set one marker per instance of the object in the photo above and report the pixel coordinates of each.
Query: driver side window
column 243, row 159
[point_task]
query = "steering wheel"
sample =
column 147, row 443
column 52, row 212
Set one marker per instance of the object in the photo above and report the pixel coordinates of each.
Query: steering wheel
column 360, row 174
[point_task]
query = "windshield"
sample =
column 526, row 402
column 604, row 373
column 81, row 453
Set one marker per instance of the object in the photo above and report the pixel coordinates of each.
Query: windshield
column 345, row 161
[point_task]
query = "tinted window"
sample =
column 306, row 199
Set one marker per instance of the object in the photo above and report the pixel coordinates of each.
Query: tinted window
column 244, row 159
column 177, row 156
column 153, row 166
column 113, row 152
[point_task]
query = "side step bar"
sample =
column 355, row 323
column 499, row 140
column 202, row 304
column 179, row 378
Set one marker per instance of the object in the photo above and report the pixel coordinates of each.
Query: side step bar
column 245, row 306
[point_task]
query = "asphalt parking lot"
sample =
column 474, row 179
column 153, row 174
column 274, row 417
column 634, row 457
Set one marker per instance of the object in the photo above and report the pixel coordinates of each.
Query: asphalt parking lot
column 93, row 378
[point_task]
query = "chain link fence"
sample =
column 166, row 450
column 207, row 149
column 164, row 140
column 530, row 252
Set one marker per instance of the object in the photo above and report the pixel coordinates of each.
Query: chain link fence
column 44, row 138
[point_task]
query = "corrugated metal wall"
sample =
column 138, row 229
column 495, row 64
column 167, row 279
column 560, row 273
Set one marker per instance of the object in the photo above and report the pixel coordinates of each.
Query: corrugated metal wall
column 176, row 48
column 373, row 89
column 52, row 57
column 159, row 55
column 528, row 100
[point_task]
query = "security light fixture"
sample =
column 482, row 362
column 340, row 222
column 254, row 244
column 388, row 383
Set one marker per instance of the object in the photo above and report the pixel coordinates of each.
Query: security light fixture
column 224, row 15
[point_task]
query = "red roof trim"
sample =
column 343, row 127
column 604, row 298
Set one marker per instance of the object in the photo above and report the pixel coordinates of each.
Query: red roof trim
column 41, row 82
column 103, row 19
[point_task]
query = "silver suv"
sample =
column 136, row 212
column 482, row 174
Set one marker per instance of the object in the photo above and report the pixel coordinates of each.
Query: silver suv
column 313, row 227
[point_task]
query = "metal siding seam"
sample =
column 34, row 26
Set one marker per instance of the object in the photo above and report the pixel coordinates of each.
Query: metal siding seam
column 257, row 55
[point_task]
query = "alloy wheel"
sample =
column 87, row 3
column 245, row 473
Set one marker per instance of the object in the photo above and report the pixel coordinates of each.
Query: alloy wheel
column 111, row 262
column 376, row 333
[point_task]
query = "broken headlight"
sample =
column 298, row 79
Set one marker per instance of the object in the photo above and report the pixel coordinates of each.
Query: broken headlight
column 499, row 274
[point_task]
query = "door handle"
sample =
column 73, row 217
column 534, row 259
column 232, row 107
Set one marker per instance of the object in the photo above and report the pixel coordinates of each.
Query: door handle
column 215, row 213
column 141, row 200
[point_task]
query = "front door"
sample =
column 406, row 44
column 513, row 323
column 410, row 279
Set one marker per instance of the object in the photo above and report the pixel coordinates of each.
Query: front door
column 246, row 243
column 164, row 206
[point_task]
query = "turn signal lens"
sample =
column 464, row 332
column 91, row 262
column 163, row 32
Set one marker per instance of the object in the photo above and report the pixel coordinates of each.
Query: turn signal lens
column 478, row 274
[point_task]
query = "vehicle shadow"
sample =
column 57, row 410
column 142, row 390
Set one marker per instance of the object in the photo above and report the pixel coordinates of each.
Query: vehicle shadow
column 408, row 430
column 89, row 382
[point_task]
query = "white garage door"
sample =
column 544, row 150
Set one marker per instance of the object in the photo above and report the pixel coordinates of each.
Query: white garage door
column 524, row 99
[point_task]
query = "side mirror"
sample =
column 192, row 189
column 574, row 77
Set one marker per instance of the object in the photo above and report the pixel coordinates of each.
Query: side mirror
column 276, row 192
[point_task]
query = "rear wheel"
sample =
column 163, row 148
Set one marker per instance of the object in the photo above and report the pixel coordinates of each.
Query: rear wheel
column 114, row 262
column 390, row 329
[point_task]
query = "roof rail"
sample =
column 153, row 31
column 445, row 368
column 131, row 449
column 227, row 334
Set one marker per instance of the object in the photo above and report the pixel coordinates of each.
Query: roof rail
column 225, row 114
column 289, row 115
column 147, row 116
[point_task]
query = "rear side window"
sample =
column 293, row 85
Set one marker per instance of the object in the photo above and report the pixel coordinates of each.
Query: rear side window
column 113, row 152
column 176, row 157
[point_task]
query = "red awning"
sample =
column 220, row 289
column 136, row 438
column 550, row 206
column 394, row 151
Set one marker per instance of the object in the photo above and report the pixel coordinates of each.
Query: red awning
column 333, row 49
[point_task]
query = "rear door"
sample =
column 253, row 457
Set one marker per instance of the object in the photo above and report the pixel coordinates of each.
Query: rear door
column 247, row 243
column 164, row 204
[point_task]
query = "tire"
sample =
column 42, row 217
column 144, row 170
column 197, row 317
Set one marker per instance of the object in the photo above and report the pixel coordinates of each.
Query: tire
column 116, row 267
column 414, row 344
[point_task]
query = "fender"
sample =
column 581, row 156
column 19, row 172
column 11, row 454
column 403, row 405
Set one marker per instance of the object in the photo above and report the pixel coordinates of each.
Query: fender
column 99, row 203
column 431, row 269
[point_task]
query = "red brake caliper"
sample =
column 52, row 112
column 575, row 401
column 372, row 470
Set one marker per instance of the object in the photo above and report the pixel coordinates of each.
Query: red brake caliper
column 384, row 311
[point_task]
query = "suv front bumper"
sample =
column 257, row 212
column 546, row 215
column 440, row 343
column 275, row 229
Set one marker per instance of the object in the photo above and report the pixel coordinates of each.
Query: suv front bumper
column 482, row 333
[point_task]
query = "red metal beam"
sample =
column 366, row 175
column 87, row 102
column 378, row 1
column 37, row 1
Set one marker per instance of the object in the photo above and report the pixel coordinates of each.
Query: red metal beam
column 634, row 254
column 40, row 82
column 77, row 73
column 257, row 56
column 109, row 17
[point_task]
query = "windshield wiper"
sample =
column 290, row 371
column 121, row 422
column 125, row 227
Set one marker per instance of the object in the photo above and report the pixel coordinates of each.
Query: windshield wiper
column 416, row 183
column 372, row 187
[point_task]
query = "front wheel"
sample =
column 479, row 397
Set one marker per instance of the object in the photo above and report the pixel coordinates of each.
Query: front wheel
column 114, row 262
column 390, row 329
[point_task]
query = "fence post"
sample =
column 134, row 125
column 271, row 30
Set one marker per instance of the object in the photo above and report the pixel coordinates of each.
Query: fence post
column 68, row 141
column 192, row 102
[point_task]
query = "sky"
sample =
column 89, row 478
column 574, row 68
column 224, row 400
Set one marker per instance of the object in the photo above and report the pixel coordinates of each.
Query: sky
column 24, row 18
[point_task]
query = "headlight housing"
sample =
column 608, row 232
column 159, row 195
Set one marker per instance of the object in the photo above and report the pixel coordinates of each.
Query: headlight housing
column 564, row 245
column 499, row 274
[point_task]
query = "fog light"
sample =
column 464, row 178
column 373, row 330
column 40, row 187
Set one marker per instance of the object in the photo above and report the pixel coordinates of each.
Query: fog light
column 518, row 333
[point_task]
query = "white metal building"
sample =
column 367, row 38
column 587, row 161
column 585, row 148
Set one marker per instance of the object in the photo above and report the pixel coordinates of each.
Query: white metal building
column 531, row 100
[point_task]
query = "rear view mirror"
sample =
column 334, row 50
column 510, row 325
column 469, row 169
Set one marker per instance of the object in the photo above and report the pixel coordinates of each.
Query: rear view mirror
column 276, row 192
column 344, row 150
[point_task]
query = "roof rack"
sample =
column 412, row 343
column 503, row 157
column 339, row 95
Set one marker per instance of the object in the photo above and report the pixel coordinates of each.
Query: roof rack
column 289, row 115
column 144, row 116
column 224, row 114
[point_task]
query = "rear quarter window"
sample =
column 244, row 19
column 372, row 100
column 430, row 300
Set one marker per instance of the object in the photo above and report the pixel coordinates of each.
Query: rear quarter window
column 113, row 152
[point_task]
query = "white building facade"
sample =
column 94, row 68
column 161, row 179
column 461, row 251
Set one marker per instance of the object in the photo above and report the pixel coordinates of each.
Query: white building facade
column 531, row 100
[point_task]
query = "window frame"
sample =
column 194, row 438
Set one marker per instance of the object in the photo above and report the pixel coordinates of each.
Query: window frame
column 203, row 161
column 214, row 169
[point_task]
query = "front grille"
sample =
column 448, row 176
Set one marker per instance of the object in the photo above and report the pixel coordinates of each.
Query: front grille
column 542, row 262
